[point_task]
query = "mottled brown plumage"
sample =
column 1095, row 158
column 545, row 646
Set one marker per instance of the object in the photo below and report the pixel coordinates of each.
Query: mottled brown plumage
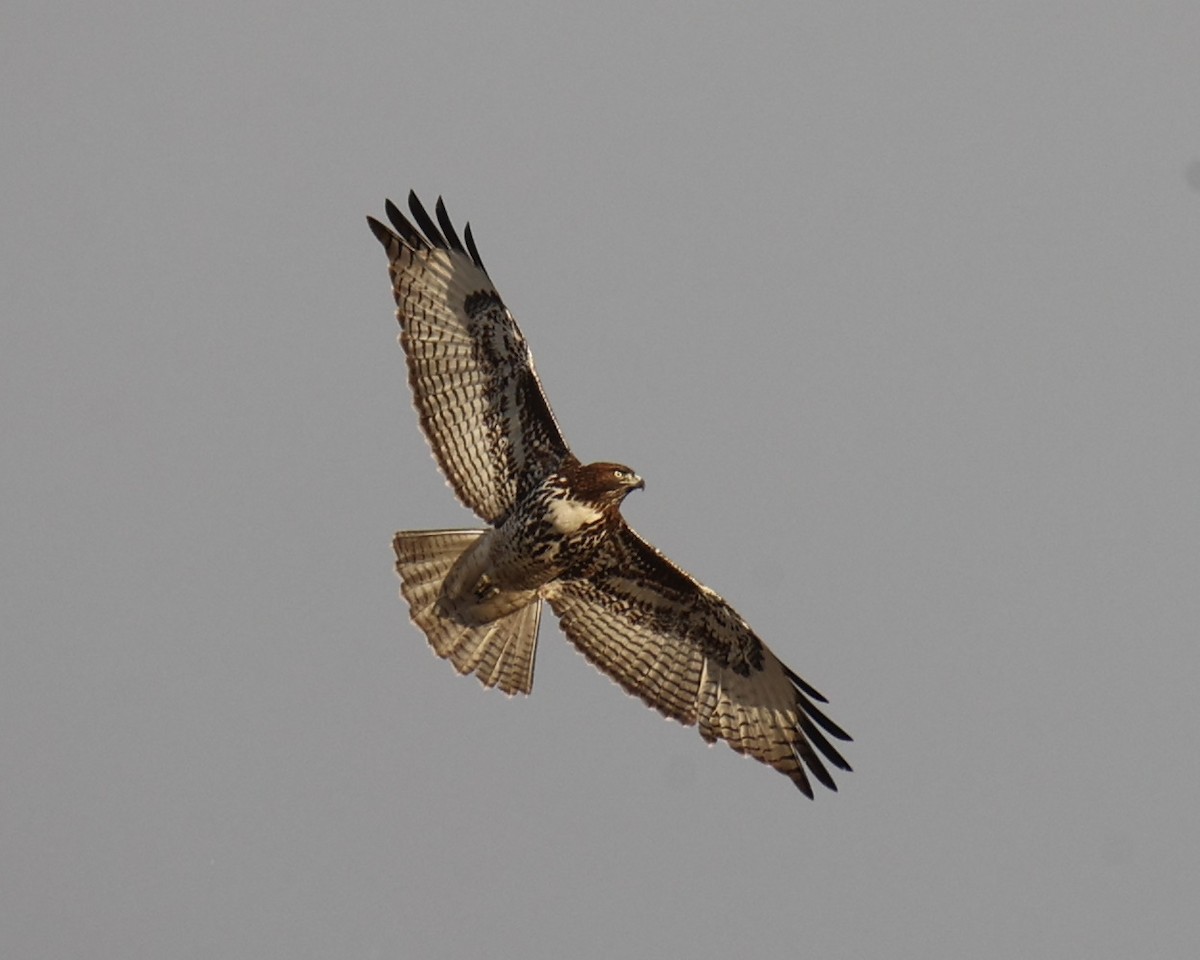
column 556, row 532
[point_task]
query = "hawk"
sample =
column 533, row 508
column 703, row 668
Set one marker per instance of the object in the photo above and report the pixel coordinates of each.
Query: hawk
column 555, row 531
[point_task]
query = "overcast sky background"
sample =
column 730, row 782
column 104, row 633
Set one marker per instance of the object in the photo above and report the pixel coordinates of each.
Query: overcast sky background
column 895, row 307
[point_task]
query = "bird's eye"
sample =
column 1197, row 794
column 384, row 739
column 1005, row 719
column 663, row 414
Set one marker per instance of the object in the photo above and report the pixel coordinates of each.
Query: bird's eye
column 619, row 474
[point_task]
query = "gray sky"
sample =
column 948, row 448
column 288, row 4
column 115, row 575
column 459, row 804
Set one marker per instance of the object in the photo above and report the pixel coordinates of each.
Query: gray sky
column 894, row 306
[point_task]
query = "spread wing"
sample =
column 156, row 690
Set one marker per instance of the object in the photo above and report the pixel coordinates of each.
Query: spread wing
column 678, row 646
column 480, row 403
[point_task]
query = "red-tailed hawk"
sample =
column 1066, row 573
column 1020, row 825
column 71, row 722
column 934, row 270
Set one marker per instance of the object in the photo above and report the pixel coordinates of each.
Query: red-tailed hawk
column 556, row 532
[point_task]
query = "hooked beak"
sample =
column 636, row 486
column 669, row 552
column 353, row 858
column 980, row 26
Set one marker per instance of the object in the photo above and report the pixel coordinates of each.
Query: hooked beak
column 637, row 483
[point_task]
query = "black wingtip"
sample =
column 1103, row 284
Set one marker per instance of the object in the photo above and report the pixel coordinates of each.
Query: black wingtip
column 394, row 215
column 425, row 222
column 802, row 784
column 472, row 249
column 428, row 232
column 828, row 725
column 382, row 233
column 443, row 220
column 818, row 770
column 817, row 739
column 804, row 684
column 407, row 232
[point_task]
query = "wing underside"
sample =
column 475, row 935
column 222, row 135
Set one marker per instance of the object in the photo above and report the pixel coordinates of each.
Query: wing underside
column 684, row 651
column 477, row 394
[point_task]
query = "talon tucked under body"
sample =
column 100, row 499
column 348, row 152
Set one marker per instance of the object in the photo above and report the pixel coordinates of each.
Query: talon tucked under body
column 475, row 592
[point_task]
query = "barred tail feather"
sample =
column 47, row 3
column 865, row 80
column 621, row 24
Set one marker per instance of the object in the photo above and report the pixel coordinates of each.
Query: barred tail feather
column 500, row 653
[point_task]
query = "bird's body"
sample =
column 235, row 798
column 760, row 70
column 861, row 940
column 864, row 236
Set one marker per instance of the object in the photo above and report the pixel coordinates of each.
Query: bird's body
column 556, row 533
column 549, row 532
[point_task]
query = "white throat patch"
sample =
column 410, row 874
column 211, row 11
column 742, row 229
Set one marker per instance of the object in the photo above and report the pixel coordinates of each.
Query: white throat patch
column 567, row 516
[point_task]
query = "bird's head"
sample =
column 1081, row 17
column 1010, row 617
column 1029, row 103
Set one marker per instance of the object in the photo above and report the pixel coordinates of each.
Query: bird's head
column 606, row 482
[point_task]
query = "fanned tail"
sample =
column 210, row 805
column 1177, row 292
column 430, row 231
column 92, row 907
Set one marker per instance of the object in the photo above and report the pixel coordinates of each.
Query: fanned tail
column 499, row 653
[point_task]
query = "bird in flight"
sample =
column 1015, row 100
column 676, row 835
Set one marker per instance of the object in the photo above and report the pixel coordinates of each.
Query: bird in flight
column 555, row 532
